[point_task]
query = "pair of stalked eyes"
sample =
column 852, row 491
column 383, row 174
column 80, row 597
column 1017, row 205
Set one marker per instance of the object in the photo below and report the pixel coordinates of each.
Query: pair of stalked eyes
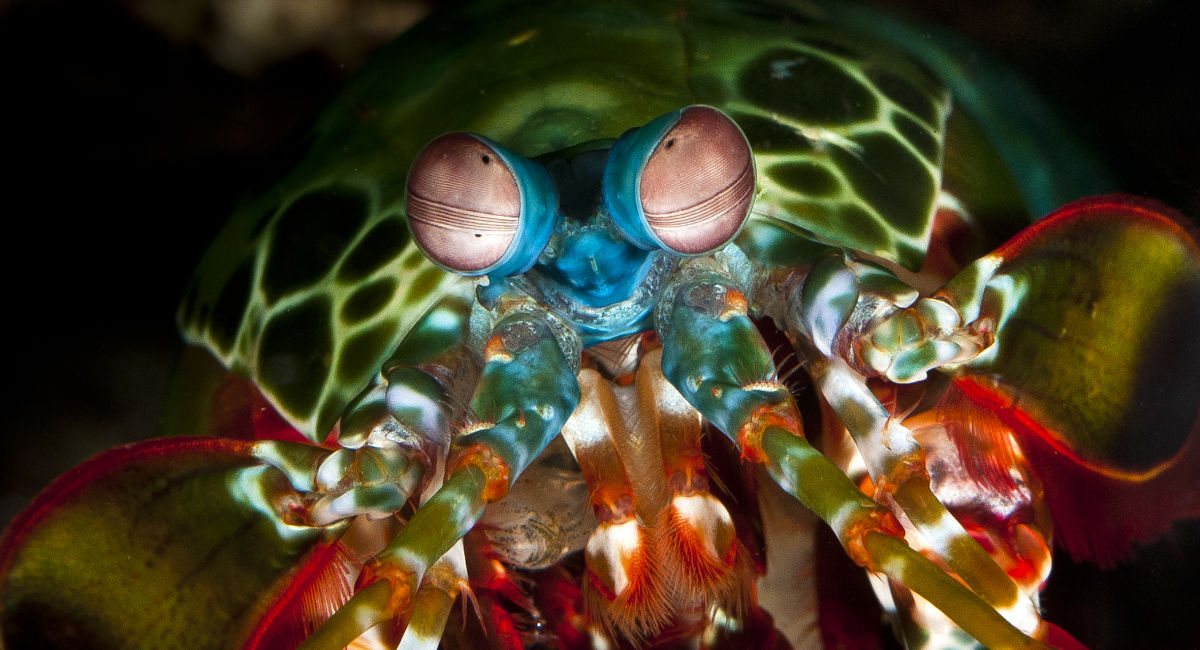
column 683, row 183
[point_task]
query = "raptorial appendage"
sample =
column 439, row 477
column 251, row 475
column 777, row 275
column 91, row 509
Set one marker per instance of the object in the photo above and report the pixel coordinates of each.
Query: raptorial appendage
column 731, row 384
column 859, row 328
column 526, row 391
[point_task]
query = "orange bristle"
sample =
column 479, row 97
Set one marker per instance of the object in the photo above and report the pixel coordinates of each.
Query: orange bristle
column 623, row 589
column 699, row 541
column 307, row 598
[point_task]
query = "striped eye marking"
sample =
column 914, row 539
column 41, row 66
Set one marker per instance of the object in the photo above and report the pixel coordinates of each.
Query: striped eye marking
column 697, row 185
column 463, row 203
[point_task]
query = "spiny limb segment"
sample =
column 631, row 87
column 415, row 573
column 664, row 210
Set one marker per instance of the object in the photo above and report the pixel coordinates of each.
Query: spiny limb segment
column 730, row 384
column 874, row 539
column 851, row 328
column 960, row 604
column 664, row 544
column 804, row 473
column 896, row 464
column 526, row 392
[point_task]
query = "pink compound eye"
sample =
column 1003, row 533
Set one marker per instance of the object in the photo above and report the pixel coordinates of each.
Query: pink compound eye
column 697, row 185
column 464, row 203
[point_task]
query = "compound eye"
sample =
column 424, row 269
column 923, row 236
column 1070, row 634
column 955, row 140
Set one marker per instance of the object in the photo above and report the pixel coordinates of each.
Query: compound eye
column 697, row 185
column 464, row 204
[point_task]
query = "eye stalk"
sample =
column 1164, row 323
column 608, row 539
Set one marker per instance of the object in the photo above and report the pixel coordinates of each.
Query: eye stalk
column 475, row 208
column 683, row 183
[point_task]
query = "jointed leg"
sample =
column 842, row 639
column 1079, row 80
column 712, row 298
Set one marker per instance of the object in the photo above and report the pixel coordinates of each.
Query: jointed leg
column 664, row 544
column 713, row 354
column 624, row 582
column 526, row 391
column 434, row 601
column 853, row 329
column 395, row 434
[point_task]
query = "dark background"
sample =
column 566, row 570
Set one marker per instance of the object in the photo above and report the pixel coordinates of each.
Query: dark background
column 125, row 145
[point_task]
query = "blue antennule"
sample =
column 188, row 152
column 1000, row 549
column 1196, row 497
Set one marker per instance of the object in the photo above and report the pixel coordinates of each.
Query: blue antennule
column 683, row 183
column 476, row 208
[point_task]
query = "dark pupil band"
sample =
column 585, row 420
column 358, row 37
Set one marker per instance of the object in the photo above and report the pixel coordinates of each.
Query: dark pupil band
column 464, row 205
column 697, row 186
